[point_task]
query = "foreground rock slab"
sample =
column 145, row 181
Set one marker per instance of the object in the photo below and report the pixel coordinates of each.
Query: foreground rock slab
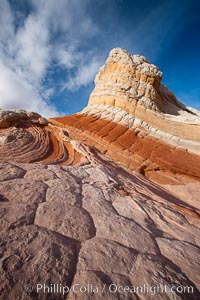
column 116, row 235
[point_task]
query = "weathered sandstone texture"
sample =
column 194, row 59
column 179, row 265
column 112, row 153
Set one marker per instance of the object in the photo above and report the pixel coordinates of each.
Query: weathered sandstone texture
column 103, row 198
column 28, row 140
column 93, row 224
column 13, row 117
column 135, row 120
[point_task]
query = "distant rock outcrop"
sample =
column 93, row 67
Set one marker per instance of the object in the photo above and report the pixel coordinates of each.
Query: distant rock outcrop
column 105, row 198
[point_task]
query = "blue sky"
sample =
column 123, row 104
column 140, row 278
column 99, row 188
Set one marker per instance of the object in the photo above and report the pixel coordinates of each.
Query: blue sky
column 50, row 50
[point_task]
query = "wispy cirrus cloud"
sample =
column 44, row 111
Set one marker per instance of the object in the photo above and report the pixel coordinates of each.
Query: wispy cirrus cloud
column 84, row 75
column 27, row 51
column 51, row 48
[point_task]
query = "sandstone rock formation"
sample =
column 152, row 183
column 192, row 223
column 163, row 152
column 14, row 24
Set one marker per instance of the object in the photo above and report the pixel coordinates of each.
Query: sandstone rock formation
column 26, row 137
column 13, row 117
column 97, row 203
column 134, row 119
column 93, row 224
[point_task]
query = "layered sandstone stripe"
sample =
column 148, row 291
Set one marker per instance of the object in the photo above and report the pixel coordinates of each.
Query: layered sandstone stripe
column 134, row 149
column 27, row 139
column 135, row 120
column 78, row 217
column 132, row 85
column 131, row 117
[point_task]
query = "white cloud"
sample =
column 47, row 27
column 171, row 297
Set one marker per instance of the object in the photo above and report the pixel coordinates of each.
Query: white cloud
column 67, row 57
column 64, row 15
column 17, row 93
column 24, row 57
column 84, row 75
column 28, row 51
column 6, row 21
column 33, row 51
column 64, row 36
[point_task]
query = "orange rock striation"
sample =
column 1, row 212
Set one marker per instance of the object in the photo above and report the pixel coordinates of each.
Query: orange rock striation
column 81, row 214
column 135, row 120
column 27, row 137
column 131, row 117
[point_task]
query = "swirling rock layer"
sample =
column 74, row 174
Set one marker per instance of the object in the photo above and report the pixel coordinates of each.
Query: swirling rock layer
column 77, row 209
column 32, row 140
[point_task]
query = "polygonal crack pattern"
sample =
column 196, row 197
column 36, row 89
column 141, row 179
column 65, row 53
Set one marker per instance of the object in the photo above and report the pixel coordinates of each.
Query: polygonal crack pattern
column 91, row 225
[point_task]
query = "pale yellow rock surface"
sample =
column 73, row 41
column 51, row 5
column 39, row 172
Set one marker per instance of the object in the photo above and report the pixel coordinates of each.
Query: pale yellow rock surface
column 133, row 85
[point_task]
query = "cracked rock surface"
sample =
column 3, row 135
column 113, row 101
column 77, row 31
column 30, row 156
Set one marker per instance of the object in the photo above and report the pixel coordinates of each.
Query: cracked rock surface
column 90, row 225
column 103, row 204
